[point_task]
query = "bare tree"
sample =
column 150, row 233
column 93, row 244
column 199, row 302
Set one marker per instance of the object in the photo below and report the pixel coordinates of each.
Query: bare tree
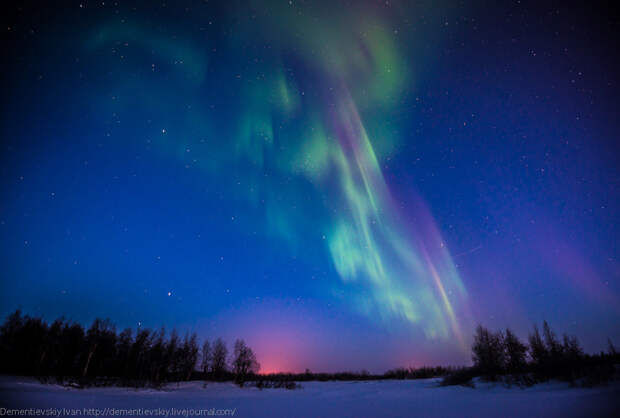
column 188, row 355
column 244, row 361
column 218, row 361
column 206, row 357
column 172, row 354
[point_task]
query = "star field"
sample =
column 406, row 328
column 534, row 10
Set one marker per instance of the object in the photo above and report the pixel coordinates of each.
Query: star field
column 327, row 180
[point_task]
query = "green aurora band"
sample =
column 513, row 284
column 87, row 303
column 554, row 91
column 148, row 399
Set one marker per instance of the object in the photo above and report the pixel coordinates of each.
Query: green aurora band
column 330, row 130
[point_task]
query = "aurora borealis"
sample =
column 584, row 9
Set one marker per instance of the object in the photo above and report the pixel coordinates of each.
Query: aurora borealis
column 329, row 180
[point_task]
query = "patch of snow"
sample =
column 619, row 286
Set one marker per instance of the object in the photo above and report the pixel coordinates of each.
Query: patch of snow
column 388, row 398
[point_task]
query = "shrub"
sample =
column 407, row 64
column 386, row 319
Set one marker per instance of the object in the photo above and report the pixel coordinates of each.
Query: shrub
column 461, row 376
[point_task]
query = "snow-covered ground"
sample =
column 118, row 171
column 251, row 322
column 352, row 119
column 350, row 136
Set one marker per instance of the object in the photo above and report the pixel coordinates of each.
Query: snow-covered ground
column 402, row 398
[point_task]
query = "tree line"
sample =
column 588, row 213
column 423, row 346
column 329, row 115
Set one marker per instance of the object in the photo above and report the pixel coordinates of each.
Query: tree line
column 501, row 355
column 66, row 352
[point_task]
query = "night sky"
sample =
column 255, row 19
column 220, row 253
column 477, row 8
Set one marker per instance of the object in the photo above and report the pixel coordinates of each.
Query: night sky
column 345, row 184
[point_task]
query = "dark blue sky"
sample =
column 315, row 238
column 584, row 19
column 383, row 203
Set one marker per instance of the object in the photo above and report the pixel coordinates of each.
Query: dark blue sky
column 327, row 182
